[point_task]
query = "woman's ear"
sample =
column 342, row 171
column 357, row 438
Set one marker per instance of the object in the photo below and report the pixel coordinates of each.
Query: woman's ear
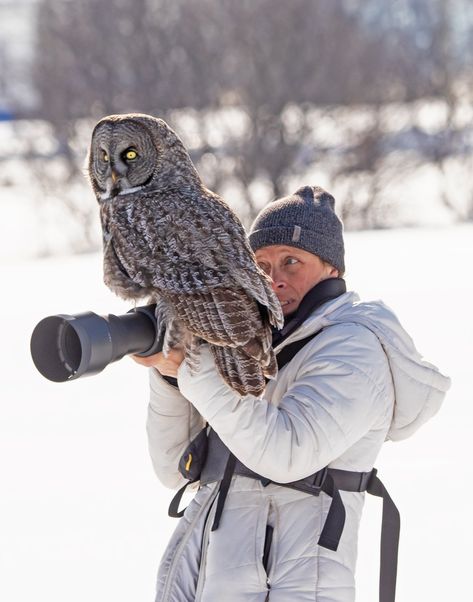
column 333, row 272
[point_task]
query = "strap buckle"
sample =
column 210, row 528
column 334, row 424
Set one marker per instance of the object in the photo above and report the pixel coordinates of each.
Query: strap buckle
column 318, row 483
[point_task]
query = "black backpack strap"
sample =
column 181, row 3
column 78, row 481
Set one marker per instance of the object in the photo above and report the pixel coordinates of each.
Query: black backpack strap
column 345, row 480
column 173, row 510
column 390, row 530
column 223, row 489
column 335, row 520
column 289, row 351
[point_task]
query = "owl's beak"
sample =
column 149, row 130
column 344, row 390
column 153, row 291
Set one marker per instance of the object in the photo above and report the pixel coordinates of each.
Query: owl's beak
column 115, row 186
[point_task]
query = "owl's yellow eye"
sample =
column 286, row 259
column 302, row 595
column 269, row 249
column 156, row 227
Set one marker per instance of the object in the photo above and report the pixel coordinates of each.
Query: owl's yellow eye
column 131, row 154
column 104, row 156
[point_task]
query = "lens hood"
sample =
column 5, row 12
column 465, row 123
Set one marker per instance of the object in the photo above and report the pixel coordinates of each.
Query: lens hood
column 66, row 347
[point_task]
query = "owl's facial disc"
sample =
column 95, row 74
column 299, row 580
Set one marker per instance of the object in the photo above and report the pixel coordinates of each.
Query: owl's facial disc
column 126, row 171
column 123, row 160
column 121, row 172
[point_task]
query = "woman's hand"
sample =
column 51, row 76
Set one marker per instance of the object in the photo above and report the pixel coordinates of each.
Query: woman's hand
column 167, row 366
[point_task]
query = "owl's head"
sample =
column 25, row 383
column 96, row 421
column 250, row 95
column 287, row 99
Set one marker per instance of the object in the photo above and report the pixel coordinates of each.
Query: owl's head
column 134, row 152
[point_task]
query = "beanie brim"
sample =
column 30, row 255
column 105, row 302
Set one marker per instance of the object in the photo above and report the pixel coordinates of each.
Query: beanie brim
column 311, row 241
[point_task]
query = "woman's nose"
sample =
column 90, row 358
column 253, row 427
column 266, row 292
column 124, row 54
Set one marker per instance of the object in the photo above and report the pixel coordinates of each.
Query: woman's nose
column 278, row 283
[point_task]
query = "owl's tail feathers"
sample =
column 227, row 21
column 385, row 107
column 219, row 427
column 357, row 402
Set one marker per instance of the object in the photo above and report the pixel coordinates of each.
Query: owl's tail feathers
column 243, row 373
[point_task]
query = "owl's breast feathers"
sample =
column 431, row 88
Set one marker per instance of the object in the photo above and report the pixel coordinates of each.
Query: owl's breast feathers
column 178, row 242
column 182, row 245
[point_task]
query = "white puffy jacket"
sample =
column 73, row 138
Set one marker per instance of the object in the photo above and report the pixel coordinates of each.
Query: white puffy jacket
column 357, row 383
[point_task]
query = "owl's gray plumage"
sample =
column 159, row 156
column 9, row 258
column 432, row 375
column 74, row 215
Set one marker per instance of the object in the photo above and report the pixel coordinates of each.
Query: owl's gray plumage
column 169, row 238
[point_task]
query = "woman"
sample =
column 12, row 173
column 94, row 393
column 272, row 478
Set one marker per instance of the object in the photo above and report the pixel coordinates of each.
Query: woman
column 357, row 382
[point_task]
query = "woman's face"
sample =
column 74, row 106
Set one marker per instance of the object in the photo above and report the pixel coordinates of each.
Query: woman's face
column 293, row 272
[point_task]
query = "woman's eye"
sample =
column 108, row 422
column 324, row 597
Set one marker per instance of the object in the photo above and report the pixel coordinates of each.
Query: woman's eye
column 131, row 154
column 291, row 261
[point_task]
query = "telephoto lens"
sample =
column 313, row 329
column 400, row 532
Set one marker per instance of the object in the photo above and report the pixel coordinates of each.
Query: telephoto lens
column 67, row 347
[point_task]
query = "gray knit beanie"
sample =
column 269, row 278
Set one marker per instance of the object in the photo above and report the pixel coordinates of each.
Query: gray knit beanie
column 305, row 220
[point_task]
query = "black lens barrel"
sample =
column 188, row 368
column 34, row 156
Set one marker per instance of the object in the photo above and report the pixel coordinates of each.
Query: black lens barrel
column 65, row 347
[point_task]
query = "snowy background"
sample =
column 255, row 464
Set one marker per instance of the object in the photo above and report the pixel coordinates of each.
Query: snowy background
column 82, row 516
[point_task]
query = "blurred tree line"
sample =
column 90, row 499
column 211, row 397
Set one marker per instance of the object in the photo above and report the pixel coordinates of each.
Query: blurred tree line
column 265, row 93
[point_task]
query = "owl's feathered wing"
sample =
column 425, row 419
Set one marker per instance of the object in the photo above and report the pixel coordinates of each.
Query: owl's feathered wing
column 191, row 251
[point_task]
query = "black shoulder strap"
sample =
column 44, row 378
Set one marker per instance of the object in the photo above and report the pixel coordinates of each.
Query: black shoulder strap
column 223, row 489
column 390, row 529
column 173, row 510
column 289, row 351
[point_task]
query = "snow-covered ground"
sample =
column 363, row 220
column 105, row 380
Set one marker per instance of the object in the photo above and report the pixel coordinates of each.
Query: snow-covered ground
column 82, row 516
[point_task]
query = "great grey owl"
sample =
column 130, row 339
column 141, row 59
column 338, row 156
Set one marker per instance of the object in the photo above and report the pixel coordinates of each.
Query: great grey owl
column 168, row 238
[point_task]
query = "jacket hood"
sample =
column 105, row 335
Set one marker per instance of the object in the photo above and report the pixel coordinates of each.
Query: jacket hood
column 419, row 386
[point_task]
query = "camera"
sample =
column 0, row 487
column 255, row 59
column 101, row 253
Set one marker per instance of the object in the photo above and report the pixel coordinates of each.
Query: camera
column 65, row 347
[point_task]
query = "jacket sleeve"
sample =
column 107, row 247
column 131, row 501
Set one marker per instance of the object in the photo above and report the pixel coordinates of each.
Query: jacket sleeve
column 340, row 386
column 172, row 423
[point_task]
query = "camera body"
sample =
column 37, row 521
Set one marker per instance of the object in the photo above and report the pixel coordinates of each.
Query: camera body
column 65, row 347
